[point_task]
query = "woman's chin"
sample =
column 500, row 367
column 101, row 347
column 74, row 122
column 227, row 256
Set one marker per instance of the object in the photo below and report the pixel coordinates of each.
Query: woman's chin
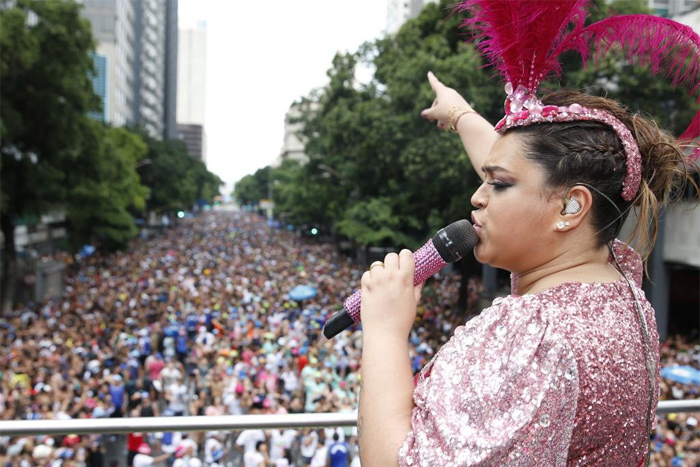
column 480, row 254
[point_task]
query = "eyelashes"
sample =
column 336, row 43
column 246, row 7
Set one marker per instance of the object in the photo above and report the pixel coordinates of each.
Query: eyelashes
column 499, row 186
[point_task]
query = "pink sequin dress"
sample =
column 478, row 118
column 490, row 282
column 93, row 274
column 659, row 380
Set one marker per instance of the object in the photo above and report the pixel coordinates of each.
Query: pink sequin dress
column 548, row 379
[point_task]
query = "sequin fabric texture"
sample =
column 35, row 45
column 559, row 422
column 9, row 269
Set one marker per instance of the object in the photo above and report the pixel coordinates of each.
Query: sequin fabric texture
column 549, row 379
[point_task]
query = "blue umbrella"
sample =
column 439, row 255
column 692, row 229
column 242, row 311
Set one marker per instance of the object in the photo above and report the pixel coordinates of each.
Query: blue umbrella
column 87, row 250
column 302, row 292
column 682, row 374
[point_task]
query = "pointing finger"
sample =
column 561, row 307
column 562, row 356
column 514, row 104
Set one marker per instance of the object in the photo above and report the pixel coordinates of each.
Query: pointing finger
column 434, row 82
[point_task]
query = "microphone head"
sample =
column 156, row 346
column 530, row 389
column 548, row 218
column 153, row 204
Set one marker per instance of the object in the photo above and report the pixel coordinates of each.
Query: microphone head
column 455, row 240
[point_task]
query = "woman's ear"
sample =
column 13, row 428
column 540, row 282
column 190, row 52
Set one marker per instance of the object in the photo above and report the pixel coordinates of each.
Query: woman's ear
column 576, row 203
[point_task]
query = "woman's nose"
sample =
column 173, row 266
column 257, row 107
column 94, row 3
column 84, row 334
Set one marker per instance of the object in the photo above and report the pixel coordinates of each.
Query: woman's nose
column 479, row 197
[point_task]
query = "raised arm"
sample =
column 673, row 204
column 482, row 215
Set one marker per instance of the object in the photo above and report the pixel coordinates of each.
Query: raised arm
column 476, row 133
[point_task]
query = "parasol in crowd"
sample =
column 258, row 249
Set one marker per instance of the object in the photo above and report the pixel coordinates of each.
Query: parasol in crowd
column 302, row 292
column 681, row 374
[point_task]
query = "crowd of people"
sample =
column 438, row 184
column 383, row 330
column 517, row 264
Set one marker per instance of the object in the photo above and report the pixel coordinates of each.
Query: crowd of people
column 676, row 439
column 198, row 321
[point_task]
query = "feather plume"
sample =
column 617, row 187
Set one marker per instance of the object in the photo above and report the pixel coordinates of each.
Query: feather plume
column 666, row 46
column 693, row 130
column 524, row 38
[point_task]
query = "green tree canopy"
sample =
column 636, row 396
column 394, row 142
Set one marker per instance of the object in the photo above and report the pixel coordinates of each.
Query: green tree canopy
column 175, row 179
column 247, row 191
column 45, row 96
column 104, row 188
column 252, row 188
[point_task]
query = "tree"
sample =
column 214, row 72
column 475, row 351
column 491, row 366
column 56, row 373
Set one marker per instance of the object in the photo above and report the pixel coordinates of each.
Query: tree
column 104, row 187
column 175, row 179
column 247, row 191
column 252, row 188
column 45, row 96
column 397, row 172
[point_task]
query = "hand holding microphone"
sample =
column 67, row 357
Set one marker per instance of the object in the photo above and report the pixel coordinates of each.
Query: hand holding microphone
column 389, row 297
column 448, row 245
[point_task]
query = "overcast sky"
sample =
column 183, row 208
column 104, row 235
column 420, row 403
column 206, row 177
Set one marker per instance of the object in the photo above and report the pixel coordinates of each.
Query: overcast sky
column 261, row 57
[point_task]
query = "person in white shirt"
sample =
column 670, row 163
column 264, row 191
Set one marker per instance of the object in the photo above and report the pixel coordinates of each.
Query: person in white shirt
column 232, row 403
column 213, row 449
column 187, row 444
column 170, row 374
column 186, row 457
column 176, row 394
column 279, row 441
column 249, row 438
column 320, row 457
column 143, row 457
column 205, row 339
column 257, row 457
column 285, row 460
column 309, row 442
column 291, row 381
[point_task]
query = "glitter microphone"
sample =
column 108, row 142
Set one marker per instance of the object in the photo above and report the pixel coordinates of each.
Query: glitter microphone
column 448, row 245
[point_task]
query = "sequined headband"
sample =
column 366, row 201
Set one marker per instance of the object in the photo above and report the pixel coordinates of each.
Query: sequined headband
column 523, row 108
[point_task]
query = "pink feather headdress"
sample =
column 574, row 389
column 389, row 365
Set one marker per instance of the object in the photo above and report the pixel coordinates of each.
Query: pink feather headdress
column 523, row 39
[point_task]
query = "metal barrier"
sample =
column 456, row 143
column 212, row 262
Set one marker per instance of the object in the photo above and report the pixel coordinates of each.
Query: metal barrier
column 224, row 422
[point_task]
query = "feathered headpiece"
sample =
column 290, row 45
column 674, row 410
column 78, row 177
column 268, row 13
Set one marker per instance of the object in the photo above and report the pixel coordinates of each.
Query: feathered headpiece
column 523, row 39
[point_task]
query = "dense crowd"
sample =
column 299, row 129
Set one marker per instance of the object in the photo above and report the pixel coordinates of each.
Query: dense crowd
column 198, row 321
column 676, row 439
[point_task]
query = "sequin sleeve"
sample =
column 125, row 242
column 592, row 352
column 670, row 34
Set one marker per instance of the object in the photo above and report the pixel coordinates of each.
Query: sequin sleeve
column 502, row 391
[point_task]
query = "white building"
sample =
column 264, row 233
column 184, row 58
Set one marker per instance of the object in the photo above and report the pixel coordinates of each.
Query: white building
column 192, row 83
column 690, row 18
column 192, row 72
column 292, row 145
column 670, row 8
column 400, row 11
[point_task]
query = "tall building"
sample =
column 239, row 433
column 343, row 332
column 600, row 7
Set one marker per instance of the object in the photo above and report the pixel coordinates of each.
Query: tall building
column 131, row 36
column 690, row 18
column 400, row 11
column 292, row 146
column 113, row 24
column 194, row 138
column 99, row 84
column 171, row 59
column 191, row 91
column 668, row 8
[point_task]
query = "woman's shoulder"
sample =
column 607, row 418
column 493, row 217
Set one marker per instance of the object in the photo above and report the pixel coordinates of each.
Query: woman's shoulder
column 522, row 325
column 538, row 317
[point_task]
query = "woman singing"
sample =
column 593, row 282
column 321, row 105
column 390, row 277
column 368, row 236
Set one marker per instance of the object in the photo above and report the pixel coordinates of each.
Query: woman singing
column 564, row 370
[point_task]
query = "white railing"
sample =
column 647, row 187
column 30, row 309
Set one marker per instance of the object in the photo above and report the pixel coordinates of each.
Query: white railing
column 224, row 422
